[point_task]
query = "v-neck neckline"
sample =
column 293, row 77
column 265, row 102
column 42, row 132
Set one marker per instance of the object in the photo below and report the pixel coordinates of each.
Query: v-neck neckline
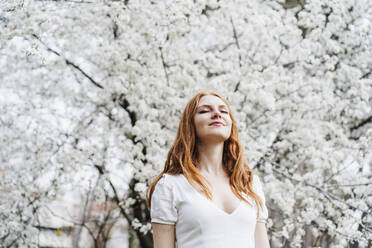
column 210, row 202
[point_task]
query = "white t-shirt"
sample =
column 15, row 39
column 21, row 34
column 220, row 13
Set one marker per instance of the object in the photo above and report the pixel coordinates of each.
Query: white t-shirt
column 198, row 221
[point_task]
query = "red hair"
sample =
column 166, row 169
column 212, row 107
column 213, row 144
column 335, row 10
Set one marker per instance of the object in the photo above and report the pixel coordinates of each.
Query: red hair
column 182, row 157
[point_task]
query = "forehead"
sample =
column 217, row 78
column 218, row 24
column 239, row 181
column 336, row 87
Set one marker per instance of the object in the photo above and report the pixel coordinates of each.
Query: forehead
column 210, row 100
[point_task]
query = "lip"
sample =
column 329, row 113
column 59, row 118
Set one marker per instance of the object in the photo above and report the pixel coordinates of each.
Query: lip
column 216, row 123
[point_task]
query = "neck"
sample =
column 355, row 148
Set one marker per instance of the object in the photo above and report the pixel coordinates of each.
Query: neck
column 210, row 159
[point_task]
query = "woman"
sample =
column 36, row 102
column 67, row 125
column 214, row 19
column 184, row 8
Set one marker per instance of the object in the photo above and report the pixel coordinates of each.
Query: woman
column 207, row 196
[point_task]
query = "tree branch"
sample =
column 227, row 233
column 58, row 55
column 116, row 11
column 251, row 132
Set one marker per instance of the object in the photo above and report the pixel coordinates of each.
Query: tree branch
column 364, row 122
column 69, row 62
column 164, row 65
column 235, row 35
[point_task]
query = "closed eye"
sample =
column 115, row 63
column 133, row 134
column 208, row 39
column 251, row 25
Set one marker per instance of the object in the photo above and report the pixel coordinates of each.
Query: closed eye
column 204, row 111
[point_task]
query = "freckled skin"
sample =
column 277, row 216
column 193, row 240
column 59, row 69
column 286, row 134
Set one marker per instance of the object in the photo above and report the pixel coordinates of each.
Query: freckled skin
column 205, row 115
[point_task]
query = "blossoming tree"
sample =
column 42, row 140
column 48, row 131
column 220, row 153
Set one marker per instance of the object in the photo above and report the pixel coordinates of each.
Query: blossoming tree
column 93, row 89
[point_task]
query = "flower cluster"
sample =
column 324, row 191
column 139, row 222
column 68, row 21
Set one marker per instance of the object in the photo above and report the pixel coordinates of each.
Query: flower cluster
column 91, row 94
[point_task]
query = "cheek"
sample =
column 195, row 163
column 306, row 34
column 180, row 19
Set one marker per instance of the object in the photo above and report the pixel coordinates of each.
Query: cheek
column 230, row 121
column 198, row 122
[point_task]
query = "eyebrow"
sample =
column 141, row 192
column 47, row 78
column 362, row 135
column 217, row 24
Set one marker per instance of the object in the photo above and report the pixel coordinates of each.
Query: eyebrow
column 206, row 105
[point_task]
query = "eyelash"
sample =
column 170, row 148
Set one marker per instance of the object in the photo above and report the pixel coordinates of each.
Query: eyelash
column 204, row 111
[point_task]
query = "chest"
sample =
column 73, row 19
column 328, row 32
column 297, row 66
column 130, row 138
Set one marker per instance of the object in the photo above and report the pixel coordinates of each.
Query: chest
column 225, row 213
column 222, row 195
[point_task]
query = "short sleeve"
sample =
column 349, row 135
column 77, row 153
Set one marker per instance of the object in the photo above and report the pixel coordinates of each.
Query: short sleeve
column 163, row 208
column 258, row 189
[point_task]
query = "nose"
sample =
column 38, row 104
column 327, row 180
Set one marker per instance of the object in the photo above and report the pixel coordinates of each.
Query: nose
column 216, row 114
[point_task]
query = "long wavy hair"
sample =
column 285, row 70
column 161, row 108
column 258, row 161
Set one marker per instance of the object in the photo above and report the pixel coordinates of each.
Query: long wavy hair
column 182, row 157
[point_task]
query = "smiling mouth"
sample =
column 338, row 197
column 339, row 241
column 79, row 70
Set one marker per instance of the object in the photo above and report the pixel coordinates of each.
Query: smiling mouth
column 216, row 124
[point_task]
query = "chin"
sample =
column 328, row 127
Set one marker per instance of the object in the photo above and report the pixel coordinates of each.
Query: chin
column 216, row 137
